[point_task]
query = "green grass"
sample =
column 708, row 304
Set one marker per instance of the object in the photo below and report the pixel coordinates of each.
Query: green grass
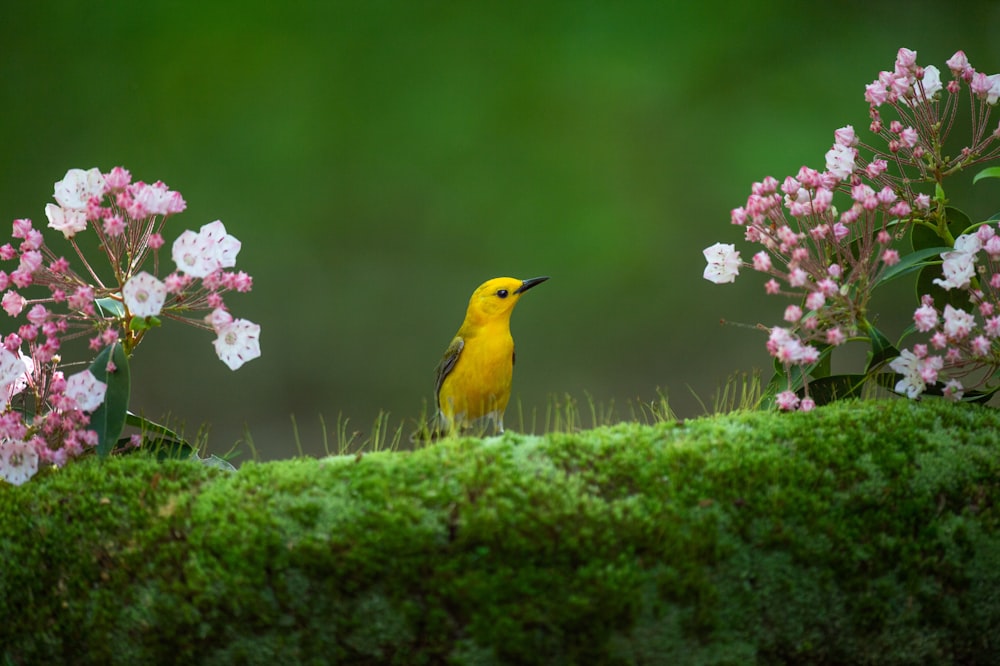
column 862, row 533
column 562, row 413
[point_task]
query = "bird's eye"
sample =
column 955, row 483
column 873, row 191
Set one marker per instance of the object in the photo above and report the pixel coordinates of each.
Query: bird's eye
column 502, row 293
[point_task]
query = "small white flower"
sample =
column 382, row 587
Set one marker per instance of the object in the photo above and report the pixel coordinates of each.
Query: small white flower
column 86, row 390
column 193, row 256
column 931, row 82
column 908, row 365
column 78, row 187
column 199, row 254
column 226, row 246
column 959, row 265
column 70, row 222
column 238, row 342
column 723, row 263
column 957, row 323
column 840, row 161
column 18, row 461
column 12, row 372
column 994, row 92
column 144, row 295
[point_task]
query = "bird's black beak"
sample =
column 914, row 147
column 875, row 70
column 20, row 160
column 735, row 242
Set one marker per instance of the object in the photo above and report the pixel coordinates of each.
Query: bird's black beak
column 529, row 283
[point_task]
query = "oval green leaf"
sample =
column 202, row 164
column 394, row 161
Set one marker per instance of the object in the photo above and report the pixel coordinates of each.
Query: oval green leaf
column 989, row 172
column 882, row 349
column 110, row 307
column 108, row 420
column 922, row 238
column 911, row 263
column 836, row 387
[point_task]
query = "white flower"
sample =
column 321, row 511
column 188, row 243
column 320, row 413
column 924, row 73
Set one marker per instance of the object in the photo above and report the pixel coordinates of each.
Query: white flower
column 840, row 161
column 931, row 82
column 18, row 461
column 199, row 254
column 723, row 263
column 144, row 295
column 193, row 256
column 86, row 390
column 77, row 187
column 226, row 246
column 908, row 365
column 12, row 373
column 238, row 342
column 151, row 199
column 66, row 220
column 957, row 323
column 993, row 94
column 959, row 265
column 969, row 243
column 925, row 318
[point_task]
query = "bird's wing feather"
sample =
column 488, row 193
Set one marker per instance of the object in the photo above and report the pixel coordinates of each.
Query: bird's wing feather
column 447, row 364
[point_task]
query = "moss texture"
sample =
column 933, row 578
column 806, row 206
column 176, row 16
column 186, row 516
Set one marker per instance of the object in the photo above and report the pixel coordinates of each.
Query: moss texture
column 861, row 533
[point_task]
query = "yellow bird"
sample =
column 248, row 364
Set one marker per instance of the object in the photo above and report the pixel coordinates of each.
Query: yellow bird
column 473, row 379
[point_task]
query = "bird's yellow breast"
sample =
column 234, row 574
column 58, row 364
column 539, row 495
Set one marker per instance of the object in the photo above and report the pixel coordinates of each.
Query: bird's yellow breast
column 479, row 384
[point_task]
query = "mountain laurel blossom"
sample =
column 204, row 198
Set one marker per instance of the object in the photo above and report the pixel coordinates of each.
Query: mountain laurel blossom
column 18, row 461
column 144, row 295
column 829, row 238
column 86, row 390
column 238, row 341
column 45, row 417
column 723, row 263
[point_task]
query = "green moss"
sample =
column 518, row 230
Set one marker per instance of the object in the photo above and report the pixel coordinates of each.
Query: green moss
column 860, row 533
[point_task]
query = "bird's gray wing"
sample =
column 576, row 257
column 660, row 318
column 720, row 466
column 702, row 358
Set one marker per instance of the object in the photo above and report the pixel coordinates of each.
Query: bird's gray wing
column 446, row 365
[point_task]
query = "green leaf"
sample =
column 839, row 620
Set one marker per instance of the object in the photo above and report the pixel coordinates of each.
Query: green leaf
column 145, row 425
column 910, row 263
column 219, row 463
column 110, row 307
column 836, row 387
column 922, row 237
column 109, row 419
column 882, row 350
column 144, row 323
column 168, row 445
column 989, row 172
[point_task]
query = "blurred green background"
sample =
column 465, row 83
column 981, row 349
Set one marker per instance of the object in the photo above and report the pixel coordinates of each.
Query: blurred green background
column 381, row 159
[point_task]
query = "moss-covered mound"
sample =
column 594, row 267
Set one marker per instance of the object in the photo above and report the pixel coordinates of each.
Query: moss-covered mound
column 859, row 533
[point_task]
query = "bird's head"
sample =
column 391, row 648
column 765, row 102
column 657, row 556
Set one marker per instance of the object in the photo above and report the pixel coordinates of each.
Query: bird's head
column 496, row 298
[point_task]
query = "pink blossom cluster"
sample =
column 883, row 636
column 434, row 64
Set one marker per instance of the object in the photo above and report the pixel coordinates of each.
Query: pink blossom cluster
column 59, row 430
column 117, row 303
column 830, row 236
column 926, row 110
column 963, row 347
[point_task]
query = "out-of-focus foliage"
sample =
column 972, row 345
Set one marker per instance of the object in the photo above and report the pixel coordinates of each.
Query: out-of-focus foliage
column 379, row 160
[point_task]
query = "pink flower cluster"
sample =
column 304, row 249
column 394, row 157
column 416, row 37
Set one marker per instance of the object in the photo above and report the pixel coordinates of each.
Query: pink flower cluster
column 118, row 303
column 58, row 430
column 963, row 348
column 830, row 259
